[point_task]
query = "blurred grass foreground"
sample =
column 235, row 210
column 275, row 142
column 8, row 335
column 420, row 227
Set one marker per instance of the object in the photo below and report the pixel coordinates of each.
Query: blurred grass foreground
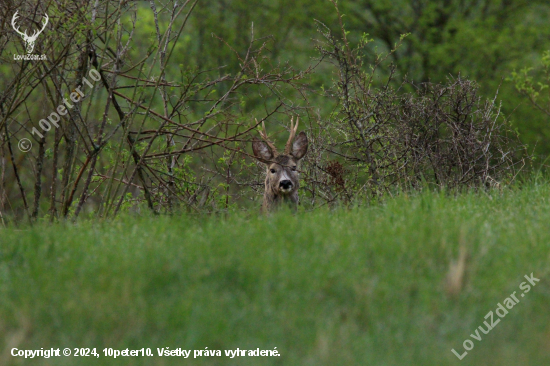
column 399, row 283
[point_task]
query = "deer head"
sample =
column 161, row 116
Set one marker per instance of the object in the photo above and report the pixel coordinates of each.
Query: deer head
column 282, row 177
column 29, row 40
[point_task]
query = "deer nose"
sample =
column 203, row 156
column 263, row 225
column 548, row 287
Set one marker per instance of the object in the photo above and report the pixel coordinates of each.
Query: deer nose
column 285, row 184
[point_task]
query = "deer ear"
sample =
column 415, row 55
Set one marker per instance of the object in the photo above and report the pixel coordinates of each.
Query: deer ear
column 299, row 147
column 262, row 152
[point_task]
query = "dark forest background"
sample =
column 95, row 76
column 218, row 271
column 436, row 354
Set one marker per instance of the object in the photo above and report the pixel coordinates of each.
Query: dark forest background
column 394, row 95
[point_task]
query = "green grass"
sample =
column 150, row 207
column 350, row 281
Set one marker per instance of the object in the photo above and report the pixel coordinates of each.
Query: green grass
column 347, row 287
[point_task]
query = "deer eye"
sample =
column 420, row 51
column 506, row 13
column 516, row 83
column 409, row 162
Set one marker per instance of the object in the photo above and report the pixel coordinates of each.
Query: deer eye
column 293, row 168
column 273, row 171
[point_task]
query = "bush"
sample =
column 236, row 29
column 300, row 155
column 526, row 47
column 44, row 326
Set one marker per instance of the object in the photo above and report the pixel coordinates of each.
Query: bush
column 387, row 138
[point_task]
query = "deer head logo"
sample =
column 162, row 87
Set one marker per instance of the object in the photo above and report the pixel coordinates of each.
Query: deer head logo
column 29, row 40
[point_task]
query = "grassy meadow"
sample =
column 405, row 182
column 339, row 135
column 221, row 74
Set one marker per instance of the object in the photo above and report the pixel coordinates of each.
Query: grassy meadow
column 362, row 286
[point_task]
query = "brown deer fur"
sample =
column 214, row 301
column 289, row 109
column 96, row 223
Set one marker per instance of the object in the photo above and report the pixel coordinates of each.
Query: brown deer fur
column 282, row 175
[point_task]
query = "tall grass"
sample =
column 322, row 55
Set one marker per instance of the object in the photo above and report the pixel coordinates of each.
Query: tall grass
column 365, row 286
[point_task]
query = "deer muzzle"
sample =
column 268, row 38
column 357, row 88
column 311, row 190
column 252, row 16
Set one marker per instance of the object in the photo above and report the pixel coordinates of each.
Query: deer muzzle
column 285, row 185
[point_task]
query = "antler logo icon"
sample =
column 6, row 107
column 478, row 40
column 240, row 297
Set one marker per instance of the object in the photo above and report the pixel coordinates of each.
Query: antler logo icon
column 29, row 40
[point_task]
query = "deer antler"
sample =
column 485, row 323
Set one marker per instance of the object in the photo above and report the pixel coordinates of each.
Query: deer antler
column 37, row 33
column 293, row 129
column 15, row 27
column 263, row 135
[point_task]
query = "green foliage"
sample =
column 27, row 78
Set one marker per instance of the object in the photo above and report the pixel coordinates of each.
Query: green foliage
column 330, row 288
column 533, row 83
column 535, row 88
column 483, row 41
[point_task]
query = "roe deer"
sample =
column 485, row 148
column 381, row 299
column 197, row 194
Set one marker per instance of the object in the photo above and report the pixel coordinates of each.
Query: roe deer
column 282, row 177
